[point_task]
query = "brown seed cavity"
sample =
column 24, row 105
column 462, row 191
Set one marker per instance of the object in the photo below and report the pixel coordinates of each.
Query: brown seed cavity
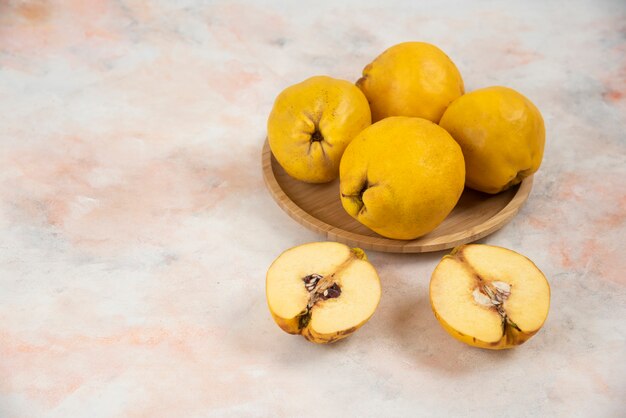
column 310, row 281
column 332, row 292
column 320, row 288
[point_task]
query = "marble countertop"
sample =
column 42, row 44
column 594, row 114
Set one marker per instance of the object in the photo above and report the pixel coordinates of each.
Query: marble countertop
column 135, row 229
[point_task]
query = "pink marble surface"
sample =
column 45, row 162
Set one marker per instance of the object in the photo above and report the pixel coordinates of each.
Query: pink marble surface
column 135, row 230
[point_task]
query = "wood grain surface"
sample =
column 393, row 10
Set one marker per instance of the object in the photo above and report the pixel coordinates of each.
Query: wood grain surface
column 318, row 207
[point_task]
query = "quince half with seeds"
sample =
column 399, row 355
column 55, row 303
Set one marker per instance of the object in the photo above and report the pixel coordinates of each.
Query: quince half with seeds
column 324, row 291
column 489, row 297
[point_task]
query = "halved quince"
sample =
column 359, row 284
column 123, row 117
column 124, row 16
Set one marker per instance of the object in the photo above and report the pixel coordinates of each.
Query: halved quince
column 489, row 297
column 322, row 290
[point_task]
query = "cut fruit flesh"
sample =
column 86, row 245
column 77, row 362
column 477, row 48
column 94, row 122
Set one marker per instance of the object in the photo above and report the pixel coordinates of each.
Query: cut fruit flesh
column 357, row 300
column 286, row 293
column 454, row 300
column 324, row 290
column 489, row 296
column 527, row 305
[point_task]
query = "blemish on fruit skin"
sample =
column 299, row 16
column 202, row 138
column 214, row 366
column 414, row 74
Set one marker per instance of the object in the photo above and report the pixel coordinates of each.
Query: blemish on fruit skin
column 347, row 331
column 359, row 83
column 304, row 319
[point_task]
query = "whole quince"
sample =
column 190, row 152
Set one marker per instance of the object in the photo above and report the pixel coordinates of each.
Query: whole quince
column 311, row 124
column 401, row 177
column 502, row 135
column 411, row 79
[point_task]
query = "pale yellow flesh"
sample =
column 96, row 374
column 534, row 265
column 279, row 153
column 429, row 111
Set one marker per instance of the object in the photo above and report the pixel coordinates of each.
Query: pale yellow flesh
column 286, row 295
column 451, row 295
column 457, row 276
column 360, row 294
column 528, row 304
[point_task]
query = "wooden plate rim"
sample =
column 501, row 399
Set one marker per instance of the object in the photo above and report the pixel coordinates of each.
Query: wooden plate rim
column 387, row 244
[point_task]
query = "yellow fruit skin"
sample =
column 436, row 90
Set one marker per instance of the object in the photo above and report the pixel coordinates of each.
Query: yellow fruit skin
column 513, row 337
column 335, row 109
column 413, row 173
column 411, row 79
column 292, row 325
column 502, row 135
column 318, row 338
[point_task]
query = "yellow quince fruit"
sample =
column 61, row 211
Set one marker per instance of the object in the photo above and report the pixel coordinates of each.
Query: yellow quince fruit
column 411, row 79
column 489, row 297
column 401, row 177
column 324, row 291
column 502, row 136
column 311, row 124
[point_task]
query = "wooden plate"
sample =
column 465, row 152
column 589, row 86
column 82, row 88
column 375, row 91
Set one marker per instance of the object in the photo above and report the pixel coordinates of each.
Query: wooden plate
column 318, row 207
